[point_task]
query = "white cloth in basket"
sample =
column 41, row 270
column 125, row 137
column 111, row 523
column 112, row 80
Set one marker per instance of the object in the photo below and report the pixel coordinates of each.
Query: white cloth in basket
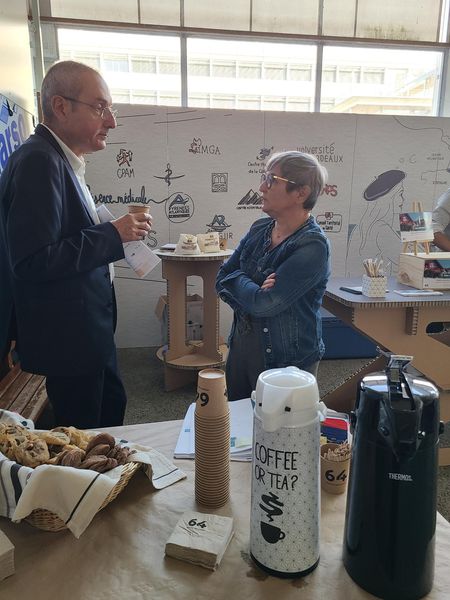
column 74, row 495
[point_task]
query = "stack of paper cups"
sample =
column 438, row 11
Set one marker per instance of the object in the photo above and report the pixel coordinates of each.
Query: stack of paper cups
column 212, row 439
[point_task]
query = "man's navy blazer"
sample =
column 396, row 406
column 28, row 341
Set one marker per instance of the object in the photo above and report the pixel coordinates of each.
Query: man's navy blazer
column 55, row 289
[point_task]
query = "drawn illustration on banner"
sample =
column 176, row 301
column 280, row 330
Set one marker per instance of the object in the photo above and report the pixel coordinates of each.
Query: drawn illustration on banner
column 258, row 165
column 220, row 225
column 198, row 147
column 179, row 207
column 124, row 160
column 250, row 200
column 168, row 176
column 377, row 234
column 434, row 156
column 359, row 152
column 219, row 182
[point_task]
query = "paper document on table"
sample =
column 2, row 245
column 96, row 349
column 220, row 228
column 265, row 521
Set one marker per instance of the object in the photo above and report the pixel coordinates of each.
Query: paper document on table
column 418, row 292
column 137, row 254
column 241, row 425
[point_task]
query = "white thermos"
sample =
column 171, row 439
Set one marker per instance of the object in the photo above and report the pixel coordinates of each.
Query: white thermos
column 285, row 503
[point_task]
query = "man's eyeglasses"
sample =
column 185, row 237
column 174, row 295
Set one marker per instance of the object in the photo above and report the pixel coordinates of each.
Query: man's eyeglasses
column 269, row 178
column 100, row 110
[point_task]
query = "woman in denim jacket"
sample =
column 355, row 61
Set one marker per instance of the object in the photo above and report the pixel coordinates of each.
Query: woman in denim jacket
column 275, row 280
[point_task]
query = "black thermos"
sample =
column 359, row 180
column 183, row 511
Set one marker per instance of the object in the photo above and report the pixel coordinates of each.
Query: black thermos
column 390, row 519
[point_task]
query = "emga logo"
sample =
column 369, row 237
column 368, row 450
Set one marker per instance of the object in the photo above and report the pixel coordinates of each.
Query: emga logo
column 220, row 225
column 219, row 182
column 124, row 159
column 179, row 207
column 250, row 200
column 198, row 147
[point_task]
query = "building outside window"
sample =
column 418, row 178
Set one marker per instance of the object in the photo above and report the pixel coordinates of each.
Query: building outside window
column 257, row 75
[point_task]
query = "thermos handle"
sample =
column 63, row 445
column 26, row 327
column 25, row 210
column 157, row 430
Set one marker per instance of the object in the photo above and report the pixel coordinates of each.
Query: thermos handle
column 400, row 426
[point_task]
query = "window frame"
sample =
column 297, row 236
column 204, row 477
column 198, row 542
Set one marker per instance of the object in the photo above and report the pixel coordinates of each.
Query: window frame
column 443, row 76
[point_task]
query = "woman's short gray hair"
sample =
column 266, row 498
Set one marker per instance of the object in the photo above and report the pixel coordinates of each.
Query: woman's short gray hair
column 302, row 168
column 62, row 79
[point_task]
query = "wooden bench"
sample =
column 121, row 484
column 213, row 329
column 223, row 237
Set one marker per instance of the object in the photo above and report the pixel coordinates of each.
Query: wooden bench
column 23, row 393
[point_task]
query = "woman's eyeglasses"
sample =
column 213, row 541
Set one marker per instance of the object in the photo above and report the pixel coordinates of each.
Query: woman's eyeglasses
column 269, row 178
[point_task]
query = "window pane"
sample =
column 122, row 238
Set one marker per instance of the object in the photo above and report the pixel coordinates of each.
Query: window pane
column 138, row 65
column 143, row 65
column 91, row 60
column 328, row 74
column 222, row 101
column 223, row 69
column 384, row 82
column 286, row 16
column 349, row 75
column 169, row 67
column 249, row 102
column 200, row 100
column 299, row 104
column 275, row 71
column 247, row 70
column 339, row 22
column 297, row 73
column 373, row 76
column 167, row 99
column 143, row 98
column 232, row 14
column 97, row 10
column 399, row 20
column 199, row 68
column 156, row 12
column 274, row 103
column 120, row 96
column 116, row 63
column 250, row 71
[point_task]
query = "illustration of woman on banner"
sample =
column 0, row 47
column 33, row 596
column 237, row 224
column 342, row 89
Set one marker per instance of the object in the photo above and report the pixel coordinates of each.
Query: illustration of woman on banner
column 377, row 234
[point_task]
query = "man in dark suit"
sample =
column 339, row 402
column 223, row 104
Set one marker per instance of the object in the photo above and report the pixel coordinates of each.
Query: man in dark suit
column 56, row 295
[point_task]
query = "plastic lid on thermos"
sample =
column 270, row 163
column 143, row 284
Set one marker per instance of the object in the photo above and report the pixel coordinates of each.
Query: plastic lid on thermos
column 287, row 397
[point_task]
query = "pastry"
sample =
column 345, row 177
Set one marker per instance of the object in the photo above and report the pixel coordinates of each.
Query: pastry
column 32, row 453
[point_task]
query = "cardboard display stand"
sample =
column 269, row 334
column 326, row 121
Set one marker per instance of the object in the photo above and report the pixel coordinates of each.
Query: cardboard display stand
column 182, row 358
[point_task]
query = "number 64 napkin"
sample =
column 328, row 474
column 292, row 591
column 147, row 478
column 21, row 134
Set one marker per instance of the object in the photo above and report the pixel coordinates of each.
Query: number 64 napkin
column 200, row 539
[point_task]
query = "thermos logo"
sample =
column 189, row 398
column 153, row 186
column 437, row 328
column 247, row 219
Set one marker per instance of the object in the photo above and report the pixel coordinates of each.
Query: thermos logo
column 400, row 476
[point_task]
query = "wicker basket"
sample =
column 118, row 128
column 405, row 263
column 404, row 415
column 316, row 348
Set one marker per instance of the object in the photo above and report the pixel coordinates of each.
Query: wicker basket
column 48, row 521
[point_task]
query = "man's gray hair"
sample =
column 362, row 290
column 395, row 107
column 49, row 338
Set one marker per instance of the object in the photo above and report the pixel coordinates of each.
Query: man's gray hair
column 302, row 168
column 62, row 79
